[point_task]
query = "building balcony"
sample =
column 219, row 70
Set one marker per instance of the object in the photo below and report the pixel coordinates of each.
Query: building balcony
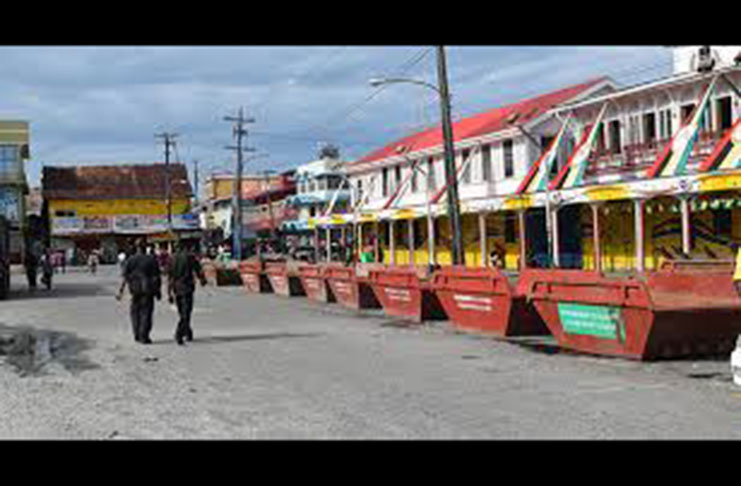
column 636, row 158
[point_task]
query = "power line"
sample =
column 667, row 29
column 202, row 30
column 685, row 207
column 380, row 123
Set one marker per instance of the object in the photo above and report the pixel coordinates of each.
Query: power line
column 341, row 116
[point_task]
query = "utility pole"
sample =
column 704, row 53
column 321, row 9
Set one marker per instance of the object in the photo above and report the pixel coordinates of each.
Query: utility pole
column 238, row 132
column 195, row 178
column 169, row 139
column 450, row 173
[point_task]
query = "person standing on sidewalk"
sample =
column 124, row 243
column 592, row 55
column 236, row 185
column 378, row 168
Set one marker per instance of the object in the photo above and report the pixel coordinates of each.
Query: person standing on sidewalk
column 183, row 267
column 142, row 274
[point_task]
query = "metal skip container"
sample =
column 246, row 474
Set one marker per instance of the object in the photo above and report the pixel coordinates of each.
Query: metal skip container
column 485, row 300
column 351, row 287
column 406, row 292
column 285, row 279
column 254, row 278
column 314, row 281
column 662, row 314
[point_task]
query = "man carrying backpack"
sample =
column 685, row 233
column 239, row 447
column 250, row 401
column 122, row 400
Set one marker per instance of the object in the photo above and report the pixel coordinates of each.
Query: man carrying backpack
column 142, row 274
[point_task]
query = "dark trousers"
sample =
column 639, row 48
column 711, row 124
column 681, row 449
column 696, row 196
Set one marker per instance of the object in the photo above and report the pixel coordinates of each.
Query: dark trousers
column 31, row 276
column 141, row 310
column 185, row 309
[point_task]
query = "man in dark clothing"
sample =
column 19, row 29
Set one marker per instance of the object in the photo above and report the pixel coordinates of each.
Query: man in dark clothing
column 142, row 274
column 31, row 263
column 181, row 286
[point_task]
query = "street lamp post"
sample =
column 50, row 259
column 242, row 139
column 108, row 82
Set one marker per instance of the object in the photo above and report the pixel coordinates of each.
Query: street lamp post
column 447, row 127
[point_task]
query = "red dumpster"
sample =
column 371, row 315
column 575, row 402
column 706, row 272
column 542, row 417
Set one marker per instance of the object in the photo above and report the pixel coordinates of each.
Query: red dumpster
column 698, row 265
column 485, row 300
column 221, row 274
column 658, row 315
column 351, row 287
column 284, row 278
column 253, row 277
column 406, row 292
column 315, row 284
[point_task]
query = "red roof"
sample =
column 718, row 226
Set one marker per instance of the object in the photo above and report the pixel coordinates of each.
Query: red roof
column 488, row 122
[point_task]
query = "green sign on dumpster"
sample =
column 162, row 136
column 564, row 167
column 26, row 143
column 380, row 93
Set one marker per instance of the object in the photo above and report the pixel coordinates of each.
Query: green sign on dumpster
column 594, row 320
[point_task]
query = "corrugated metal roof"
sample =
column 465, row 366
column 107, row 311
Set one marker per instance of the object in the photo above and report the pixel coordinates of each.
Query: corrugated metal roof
column 114, row 182
column 483, row 123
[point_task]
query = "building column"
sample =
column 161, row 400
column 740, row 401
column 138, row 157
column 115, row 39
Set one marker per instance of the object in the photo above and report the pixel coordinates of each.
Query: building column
column 360, row 240
column 638, row 205
column 431, row 240
column 595, row 238
column 411, row 242
column 376, row 242
column 556, row 253
column 329, row 244
column 343, row 235
column 392, row 243
column 482, row 239
column 316, row 244
column 523, row 238
column 684, row 204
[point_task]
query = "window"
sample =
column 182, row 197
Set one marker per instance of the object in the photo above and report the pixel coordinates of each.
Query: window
column 615, row 142
column 466, row 175
column 633, row 130
column 360, row 190
column 509, row 169
column 723, row 112
column 486, row 163
column 413, row 168
column 397, row 177
column 509, row 228
column 686, row 112
column 431, row 174
column 649, row 128
column 600, row 143
column 665, row 124
column 9, row 158
column 385, row 185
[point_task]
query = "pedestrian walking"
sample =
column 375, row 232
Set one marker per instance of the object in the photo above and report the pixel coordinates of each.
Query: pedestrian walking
column 47, row 269
column 184, row 266
column 142, row 275
column 92, row 261
column 31, row 262
column 122, row 259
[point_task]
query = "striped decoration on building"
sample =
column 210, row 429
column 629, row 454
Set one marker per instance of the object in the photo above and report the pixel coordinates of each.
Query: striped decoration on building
column 536, row 179
column 727, row 154
column 572, row 174
column 672, row 160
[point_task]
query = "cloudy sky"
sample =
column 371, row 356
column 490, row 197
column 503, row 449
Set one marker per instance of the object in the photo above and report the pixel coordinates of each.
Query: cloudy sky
column 103, row 105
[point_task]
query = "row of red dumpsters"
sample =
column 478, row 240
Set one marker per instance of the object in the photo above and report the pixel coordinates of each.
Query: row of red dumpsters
column 685, row 309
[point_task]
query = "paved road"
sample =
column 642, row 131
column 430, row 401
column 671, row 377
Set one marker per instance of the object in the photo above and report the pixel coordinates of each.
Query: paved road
column 268, row 367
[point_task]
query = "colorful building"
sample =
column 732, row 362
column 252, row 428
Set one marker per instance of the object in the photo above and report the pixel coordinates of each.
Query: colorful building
column 106, row 207
column 321, row 189
column 14, row 153
column 589, row 176
column 218, row 202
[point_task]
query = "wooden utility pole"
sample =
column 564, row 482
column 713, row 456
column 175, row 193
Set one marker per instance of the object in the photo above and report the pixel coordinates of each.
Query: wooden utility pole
column 169, row 139
column 451, row 177
column 238, row 132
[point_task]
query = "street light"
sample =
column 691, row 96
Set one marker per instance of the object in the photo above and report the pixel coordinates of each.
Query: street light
column 447, row 127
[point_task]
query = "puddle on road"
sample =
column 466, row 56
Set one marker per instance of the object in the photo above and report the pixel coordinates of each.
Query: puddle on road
column 29, row 350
